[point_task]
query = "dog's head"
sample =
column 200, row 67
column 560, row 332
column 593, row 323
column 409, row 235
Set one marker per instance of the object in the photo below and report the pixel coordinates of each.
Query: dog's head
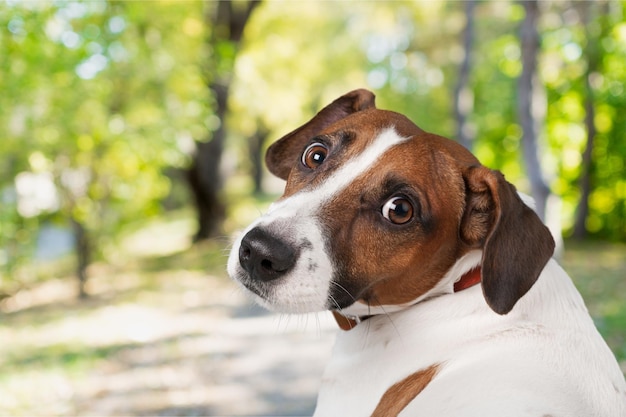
column 376, row 212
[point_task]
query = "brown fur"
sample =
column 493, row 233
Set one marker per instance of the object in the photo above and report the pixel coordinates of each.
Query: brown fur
column 402, row 393
column 278, row 157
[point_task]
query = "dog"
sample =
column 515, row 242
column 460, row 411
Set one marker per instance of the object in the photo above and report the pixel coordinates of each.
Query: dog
column 439, row 275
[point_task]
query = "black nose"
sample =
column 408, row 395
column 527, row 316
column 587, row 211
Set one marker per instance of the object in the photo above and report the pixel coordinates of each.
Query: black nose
column 264, row 256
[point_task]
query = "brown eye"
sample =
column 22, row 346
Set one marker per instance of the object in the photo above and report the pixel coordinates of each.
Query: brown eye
column 398, row 210
column 314, row 155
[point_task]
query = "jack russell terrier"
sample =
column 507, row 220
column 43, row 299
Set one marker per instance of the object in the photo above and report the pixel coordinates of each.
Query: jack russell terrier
column 393, row 229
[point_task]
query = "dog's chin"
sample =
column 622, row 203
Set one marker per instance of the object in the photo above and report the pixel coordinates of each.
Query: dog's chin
column 284, row 297
column 288, row 306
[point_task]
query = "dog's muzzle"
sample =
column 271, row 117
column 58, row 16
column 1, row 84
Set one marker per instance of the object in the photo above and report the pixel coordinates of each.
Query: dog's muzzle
column 282, row 260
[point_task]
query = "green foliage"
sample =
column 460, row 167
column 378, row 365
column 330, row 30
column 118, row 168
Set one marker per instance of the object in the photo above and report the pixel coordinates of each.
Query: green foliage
column 597, row 269
column 98, row 97
column 568, row 50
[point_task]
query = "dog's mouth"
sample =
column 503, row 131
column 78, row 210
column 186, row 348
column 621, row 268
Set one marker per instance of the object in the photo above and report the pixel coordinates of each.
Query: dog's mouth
column 284, row 298
column 255, row 287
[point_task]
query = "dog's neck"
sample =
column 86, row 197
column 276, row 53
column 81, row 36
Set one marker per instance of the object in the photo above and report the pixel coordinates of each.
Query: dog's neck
column 348, row 322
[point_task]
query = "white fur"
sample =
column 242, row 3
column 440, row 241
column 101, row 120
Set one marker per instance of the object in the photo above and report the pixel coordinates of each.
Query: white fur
column 488, row 363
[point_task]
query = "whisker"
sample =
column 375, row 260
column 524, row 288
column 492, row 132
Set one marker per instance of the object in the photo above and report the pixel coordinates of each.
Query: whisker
column 388, row 317
column 368, row 324
column 319, row 325
column 341, row 287
column 303, row 318
column 282, row 317
column 334, row 301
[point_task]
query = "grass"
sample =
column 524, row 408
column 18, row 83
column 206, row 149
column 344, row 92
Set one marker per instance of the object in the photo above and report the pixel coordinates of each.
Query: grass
column 599, row 271
column 142, row 343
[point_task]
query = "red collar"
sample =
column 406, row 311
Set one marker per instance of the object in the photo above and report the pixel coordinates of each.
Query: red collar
column 469, row 279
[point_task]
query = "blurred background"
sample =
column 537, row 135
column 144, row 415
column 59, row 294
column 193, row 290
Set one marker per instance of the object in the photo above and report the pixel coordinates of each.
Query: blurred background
column 132, row 137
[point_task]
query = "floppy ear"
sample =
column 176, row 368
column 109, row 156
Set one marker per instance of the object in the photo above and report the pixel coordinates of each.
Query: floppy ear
column 516, row 245
column 281, row 156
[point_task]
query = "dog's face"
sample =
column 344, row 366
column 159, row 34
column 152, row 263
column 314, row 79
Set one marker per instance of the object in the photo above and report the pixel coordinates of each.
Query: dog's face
column 376, row 212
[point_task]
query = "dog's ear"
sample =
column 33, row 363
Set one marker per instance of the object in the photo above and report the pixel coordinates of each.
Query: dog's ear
column 282, row 155
column 516, row 245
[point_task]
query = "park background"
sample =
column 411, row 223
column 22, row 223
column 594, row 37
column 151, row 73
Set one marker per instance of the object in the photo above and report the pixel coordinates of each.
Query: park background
column 131, row 145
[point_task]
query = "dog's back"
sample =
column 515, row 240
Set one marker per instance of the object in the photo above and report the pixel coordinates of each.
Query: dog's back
column 545, row 358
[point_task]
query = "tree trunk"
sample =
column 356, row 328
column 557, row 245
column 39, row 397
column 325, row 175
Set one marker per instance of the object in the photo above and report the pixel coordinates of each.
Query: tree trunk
column 227, row 22
column 463, row 97
column 592, row 53
column 528, row 98
column 204, row 174
column 83, row 255
column 255, row 148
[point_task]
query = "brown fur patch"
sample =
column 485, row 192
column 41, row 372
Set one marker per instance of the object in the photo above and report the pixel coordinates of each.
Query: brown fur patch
column 412, row 258
column 402, row 393
column 283, row 154
column 343, row 322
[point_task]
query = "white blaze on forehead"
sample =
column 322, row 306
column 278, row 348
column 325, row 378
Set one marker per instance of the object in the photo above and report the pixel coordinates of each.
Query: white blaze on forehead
column 349, row 171
column 306, row 287
column 357, row 166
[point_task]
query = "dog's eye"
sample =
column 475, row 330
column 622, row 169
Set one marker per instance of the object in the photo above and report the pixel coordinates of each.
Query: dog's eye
column 314, row 155
column 398, row 210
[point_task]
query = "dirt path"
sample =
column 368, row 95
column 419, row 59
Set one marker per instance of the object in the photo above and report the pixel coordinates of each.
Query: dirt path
column 226, row 357
column 183, row 344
